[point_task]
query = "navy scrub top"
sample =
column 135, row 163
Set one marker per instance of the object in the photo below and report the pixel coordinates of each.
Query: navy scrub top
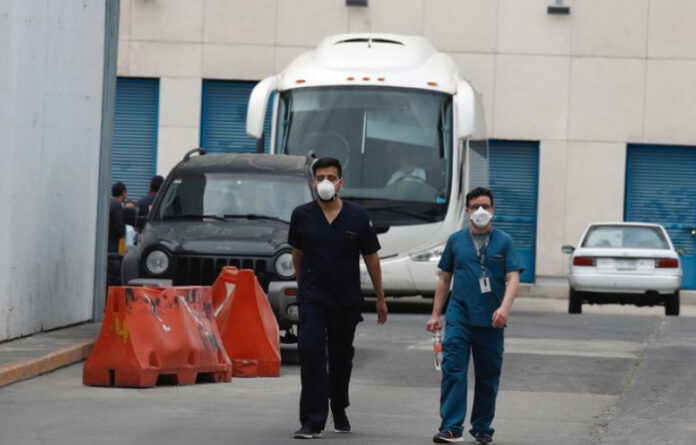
column 460, row 258
column 330, row 270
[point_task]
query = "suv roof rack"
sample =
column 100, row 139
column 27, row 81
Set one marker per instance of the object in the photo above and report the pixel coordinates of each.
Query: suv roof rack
column 199, row 150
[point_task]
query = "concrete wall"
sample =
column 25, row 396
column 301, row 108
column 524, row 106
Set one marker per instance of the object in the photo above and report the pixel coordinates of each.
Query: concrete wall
column 584, row 85
column 50, row 123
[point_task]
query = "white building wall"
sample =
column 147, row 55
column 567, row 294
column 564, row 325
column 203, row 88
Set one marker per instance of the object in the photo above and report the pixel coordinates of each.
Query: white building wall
column 51, row 75
column 584, row 85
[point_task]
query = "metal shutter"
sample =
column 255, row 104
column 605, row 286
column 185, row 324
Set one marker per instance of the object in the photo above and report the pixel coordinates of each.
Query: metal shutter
column 223, row 117
column 661, row 188
column 135, row 134
column 514, row 172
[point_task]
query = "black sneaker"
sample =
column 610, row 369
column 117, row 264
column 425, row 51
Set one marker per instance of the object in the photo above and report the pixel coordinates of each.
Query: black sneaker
column 447, row 436
column 341, row 422
column 483, row 438
column 307, row 433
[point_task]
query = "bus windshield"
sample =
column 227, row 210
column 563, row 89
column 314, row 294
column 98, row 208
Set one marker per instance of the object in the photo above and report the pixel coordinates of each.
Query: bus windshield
column 394, row 144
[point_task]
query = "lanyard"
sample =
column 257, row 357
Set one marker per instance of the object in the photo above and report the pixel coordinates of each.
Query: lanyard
column 481, row 251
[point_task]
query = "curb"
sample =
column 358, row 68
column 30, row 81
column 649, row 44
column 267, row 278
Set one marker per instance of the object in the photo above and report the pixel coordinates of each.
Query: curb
column 18, row 371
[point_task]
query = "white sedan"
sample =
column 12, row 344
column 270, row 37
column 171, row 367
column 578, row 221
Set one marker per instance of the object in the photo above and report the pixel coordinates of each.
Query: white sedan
column 627, row 263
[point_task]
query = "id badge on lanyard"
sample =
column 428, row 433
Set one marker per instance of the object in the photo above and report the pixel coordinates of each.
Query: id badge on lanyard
column 484, row 281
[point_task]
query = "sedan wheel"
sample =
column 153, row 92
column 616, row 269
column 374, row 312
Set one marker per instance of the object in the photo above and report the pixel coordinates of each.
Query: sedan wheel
column 574, row 302
column 672, row 304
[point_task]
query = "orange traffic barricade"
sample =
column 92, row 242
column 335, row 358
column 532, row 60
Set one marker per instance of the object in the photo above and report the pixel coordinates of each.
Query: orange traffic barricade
column 157, row 335
column 247, row 325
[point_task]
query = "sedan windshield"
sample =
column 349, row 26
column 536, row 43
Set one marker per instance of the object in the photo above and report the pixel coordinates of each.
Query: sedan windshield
column 224, row 196
column 394, row 145
column 627, row 237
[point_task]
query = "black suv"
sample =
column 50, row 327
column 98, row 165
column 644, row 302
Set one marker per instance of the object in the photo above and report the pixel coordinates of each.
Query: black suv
column 225, row 210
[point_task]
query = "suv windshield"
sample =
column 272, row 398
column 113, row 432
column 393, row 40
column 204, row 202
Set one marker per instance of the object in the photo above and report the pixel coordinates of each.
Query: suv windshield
column 394, row 144
column 631, row 237
column 233, row 195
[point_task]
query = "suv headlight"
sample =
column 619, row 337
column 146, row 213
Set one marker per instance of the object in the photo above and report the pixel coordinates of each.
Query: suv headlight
column 431, row 255
column 283, row 265
column 157, row 262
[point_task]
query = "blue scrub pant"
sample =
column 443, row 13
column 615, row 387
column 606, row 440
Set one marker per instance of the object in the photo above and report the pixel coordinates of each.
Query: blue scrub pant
column 485, row 344
column 319, row 327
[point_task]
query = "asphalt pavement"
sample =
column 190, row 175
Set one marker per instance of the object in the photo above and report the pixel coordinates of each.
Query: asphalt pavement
column 613, row 375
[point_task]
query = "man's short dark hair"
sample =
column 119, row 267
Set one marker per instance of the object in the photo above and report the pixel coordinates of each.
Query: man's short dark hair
column 478, row 192
column 326, row 163
column 156, row 183
column 118, row 189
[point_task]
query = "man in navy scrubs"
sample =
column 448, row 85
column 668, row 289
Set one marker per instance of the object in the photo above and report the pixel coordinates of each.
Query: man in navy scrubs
column 482, row 260
column 328, row 236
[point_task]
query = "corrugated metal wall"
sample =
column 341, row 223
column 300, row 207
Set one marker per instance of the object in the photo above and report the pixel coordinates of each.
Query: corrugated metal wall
column 514, row 178
column 135, row 134
column 223, row 117
column 661, row 188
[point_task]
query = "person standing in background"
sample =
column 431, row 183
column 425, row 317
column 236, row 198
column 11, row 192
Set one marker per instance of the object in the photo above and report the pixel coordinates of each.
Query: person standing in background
column 145, row 203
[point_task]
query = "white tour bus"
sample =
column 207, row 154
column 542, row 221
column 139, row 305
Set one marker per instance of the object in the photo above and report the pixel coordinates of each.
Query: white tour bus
column 408, row 129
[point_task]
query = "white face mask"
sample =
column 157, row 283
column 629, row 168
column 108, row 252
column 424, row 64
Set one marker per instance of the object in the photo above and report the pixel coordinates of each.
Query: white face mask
column 481, row 217
column 326, row 190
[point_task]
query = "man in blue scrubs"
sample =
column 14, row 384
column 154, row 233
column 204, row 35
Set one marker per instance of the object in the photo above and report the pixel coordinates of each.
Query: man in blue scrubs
column 486, row 270
column 328, row 236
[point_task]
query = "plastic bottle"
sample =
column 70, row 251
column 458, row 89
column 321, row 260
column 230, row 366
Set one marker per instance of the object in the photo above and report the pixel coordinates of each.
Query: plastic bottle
column 437, row 350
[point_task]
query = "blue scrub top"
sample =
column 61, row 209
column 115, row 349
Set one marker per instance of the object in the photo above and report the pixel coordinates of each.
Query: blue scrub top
column 467, row 302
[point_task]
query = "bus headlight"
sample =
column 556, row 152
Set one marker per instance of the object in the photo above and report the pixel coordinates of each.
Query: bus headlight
column 157, row 262
column 283, row 266
column 431, row 255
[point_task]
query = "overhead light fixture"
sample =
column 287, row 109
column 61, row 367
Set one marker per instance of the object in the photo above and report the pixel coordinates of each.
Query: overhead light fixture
column 362, row 3
column 558, row 8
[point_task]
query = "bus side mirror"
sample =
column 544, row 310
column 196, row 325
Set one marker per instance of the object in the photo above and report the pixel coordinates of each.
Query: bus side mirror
column 258, row 101
column 471, row 120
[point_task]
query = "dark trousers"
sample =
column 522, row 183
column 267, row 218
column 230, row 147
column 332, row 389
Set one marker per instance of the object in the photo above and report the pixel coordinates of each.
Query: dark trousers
column 321, row 329
column 486, row 346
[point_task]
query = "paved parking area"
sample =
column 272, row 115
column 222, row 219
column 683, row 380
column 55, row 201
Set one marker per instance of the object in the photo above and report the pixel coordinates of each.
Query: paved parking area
column 614, row 375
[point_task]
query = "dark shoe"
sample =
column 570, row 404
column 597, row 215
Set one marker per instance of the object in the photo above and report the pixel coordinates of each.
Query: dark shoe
column 447, row 436
column 341, row 422
column 483, row 438
column 307, row 433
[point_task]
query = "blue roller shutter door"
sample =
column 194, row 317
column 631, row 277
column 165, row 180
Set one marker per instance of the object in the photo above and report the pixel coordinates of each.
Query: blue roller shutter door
column 661, row 188
column 135, row 134
column 223, row 117
column 514, row 178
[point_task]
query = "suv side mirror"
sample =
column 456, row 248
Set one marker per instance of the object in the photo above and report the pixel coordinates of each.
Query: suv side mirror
column 568, row 249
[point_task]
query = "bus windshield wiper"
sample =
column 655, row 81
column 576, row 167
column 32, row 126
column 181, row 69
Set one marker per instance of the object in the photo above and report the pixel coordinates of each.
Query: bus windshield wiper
column 193, row 216
column 255, row 216
column 398, row 210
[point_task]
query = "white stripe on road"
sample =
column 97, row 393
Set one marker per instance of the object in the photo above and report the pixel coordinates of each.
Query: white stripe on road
column 577, row 348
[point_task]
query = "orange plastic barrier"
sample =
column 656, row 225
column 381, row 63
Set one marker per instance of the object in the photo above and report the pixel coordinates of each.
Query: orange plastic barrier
column 157, row 335
column 248, row 328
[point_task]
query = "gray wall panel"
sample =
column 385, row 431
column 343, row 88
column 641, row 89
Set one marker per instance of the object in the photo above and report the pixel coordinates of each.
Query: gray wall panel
column 50, row 127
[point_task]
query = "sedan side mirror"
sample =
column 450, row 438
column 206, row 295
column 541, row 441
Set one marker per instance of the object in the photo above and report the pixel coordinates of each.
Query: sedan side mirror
column 680, row 252
column 568, row 249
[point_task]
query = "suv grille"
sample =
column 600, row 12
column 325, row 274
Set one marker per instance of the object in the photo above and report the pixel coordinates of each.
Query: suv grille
column 203, row 270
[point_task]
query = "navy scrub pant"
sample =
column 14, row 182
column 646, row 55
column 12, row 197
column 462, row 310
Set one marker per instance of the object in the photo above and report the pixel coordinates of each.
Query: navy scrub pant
column 321, row 329
column 485, row 344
